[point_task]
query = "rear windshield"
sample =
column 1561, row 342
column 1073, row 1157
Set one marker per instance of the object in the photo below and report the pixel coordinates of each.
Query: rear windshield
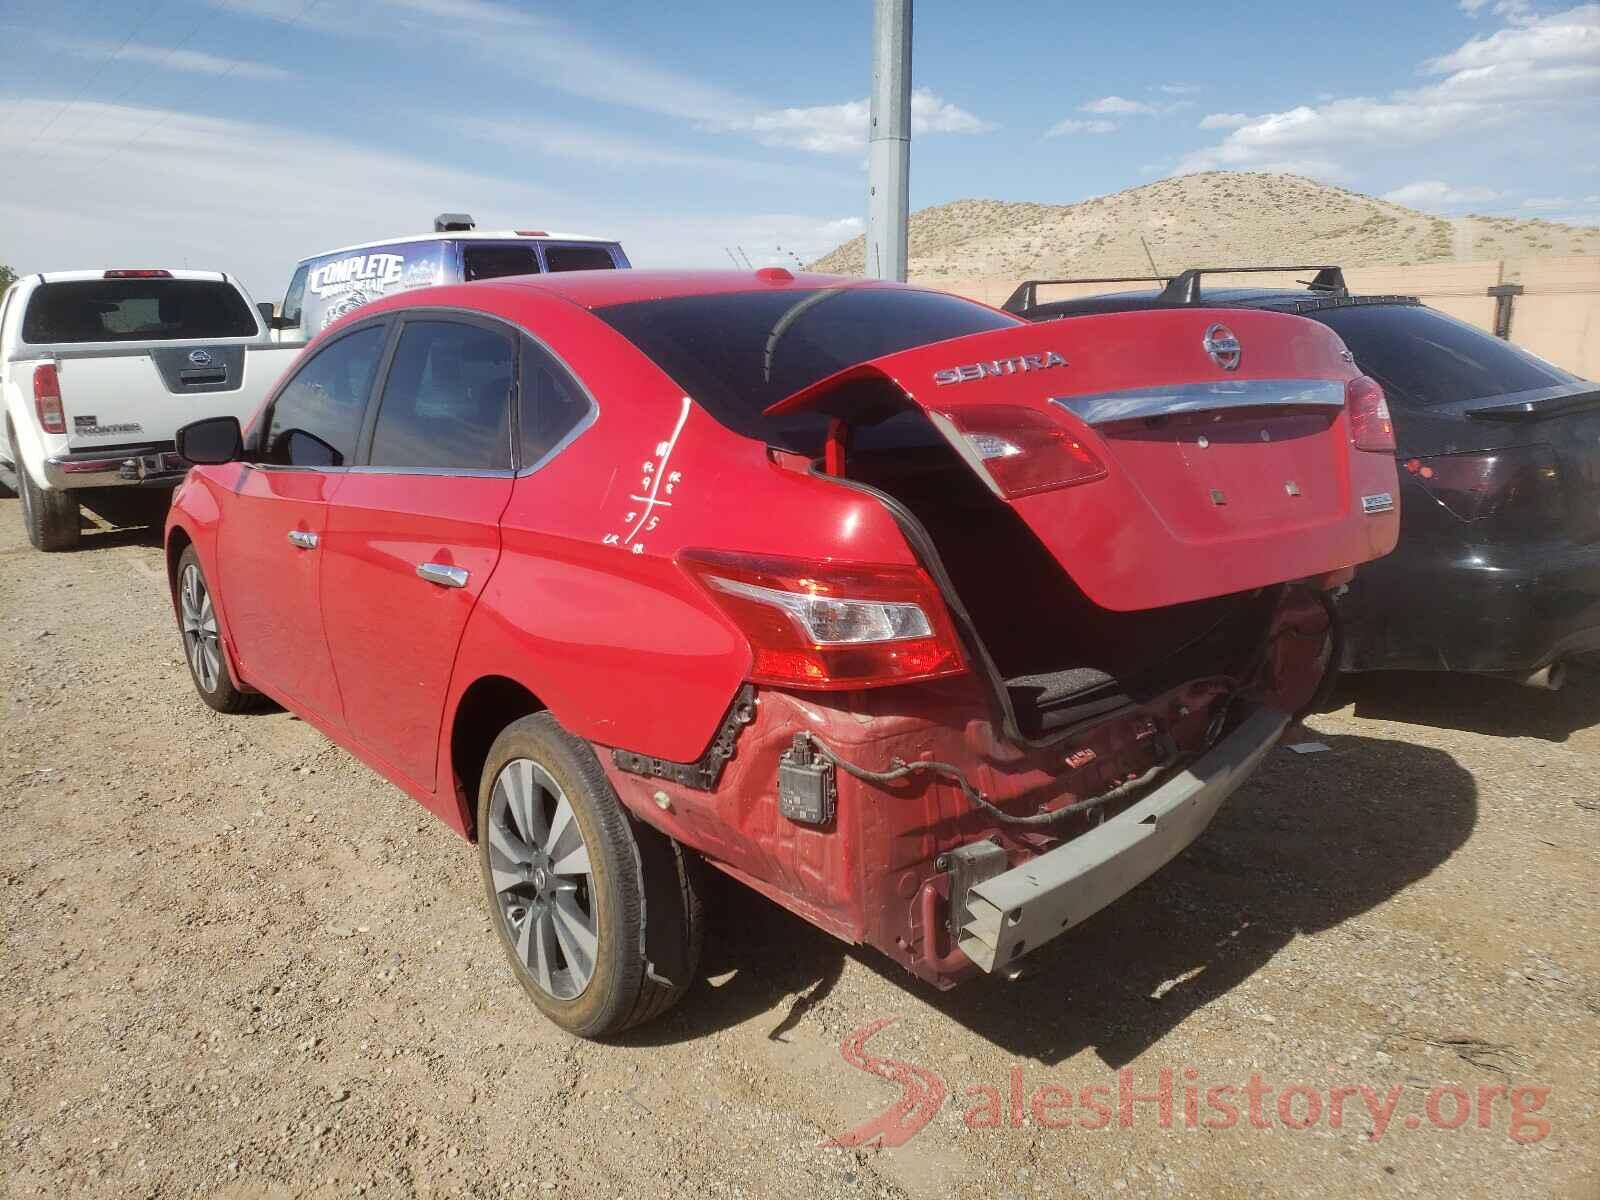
column 1424, row 359
column 736, row 353
column 131, row 310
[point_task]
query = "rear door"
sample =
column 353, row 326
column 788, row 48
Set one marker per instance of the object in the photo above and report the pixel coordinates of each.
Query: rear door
column 270, row 542
column 413, row 534
column 1216, row 447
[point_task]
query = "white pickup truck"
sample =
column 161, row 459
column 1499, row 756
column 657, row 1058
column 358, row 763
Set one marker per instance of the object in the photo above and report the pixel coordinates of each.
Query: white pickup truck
column 98, row 369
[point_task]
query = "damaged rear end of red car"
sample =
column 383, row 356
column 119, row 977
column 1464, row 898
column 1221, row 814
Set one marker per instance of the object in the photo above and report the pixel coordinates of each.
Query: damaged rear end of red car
column 1126, row 530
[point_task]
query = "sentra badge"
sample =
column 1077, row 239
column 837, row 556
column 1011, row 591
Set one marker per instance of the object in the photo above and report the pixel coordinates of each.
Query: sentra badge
column 998, row 366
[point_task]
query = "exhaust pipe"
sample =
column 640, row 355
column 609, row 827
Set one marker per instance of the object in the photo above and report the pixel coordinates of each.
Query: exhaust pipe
column 1547, row 678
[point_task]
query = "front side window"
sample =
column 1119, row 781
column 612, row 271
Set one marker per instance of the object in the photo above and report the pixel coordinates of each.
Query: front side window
column 133, row 310
column 447, row 399
column 495, row 262
column 578, row 258
column 294, row 298
column 316, row 418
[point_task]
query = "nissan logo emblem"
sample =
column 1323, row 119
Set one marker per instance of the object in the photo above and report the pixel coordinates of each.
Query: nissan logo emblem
column 1222, row 346
column 202, row 358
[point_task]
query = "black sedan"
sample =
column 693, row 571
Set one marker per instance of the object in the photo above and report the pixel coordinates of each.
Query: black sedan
column 1498, row 566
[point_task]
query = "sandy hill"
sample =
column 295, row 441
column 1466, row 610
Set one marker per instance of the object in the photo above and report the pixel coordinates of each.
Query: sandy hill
column 1213, row 219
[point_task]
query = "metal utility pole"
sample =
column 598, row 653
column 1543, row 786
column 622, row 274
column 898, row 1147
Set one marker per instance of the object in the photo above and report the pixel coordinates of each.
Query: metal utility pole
column 889, row 140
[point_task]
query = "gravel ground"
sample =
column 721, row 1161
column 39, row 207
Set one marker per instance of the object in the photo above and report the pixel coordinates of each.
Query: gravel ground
column 239, row 964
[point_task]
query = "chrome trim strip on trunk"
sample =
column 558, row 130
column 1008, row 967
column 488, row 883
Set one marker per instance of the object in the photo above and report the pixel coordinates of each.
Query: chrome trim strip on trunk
column 1104, row 407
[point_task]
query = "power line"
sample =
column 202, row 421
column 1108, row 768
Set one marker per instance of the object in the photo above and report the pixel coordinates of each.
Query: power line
column 168, row 115
column 94, row 74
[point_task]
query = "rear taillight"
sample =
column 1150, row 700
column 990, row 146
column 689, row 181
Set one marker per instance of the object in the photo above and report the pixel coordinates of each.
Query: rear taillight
column 819, row 625
column 1371, row 427
column 47, row 398
column 138, row 273
column 1521, row 482
column 1022, row 450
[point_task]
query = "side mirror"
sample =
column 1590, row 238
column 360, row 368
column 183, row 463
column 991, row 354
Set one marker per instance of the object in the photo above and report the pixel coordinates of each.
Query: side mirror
column 213, row 440
column 264, row 307
column 283, row 322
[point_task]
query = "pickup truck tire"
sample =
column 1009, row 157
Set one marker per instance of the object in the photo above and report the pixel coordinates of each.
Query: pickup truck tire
column 601, row 917
column 202, row 642
column 50, row 517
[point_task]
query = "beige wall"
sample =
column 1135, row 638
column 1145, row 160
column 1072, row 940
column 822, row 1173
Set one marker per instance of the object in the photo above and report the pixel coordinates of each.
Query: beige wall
column 1556, row 317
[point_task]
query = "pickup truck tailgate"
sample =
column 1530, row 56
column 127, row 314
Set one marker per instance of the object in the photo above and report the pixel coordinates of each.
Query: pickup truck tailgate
column 122, row 397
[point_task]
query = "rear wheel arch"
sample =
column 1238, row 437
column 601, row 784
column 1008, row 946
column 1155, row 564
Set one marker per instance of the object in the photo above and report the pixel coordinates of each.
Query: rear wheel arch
column 486, row 707
column 177, row 542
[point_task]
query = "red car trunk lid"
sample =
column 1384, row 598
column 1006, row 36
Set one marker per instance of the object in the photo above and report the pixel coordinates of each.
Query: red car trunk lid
column 1223, row 436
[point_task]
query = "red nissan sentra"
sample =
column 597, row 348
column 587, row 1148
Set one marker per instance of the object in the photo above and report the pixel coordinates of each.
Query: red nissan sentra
column 939, row 628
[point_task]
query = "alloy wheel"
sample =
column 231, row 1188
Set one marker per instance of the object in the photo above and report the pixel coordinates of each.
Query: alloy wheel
column 200, row 629
column 543, row 882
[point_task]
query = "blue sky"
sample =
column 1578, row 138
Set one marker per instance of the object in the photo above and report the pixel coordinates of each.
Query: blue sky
column 245, row 134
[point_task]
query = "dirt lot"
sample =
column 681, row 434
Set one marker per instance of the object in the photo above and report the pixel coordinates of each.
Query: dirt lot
column 236, row 963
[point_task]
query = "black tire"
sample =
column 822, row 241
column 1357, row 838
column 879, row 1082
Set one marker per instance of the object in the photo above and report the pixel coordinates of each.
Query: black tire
column 202, row 641
column 641, row 893
column 49, row 516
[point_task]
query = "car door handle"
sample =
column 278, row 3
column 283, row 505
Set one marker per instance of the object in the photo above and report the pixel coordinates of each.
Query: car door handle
column 304, row 539
column 443, row 575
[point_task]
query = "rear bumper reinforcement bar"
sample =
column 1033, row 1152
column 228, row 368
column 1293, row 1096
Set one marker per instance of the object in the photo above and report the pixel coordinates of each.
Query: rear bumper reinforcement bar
column 1021, row 909
column 152, row 468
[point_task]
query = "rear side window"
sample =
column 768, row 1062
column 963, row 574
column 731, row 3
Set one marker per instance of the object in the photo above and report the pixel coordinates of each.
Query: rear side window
column 737, row 353
column 552, row 404
column 493, row 262
column 316, row 418
column 130, row 310
column 1424, row 359
column 446, row 400
column 578, row 258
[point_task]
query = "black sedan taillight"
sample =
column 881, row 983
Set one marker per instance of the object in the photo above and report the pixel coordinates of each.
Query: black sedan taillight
column 1519, row 484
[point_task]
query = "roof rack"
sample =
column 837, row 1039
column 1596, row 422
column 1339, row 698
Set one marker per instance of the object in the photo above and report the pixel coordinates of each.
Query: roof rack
column 1184, row 288
column 1027, row 294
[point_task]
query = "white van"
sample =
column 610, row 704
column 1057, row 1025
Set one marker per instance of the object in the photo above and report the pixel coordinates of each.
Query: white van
column 327, row 286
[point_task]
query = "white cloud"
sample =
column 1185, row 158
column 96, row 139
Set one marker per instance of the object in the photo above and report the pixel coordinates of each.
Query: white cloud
column 618, row 151
column 1571, row 36
column 842, row 128
column 1072, row 125
column 1513, row 78
column 543, row 51
column 1179, row 89
column 174, row 59
column 1511, row 10
column 1224, row 120
column 1432, row 195
column 1117, row 106
column 241, row 206
column 1545, row 203
column 1121, row 106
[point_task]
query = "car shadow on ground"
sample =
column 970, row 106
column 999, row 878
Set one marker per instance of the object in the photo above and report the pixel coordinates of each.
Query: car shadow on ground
column 1311, row 842
column 1477, row 703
